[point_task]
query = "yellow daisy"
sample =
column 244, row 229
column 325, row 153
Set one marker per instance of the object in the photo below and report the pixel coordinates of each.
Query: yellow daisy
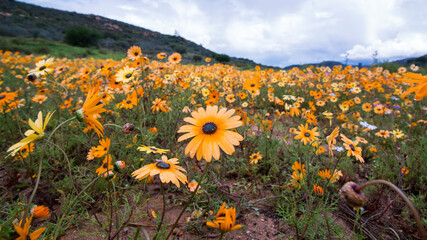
column 43, row 67
column 306, row 135
column 167, row 169
column 151, row 149
column 36, row 133
column 126, row 74
column 211, row 130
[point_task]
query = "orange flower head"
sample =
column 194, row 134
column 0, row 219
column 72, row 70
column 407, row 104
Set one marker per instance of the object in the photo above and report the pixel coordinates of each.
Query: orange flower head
column 41, row 211
column 167, row 169
column 90, row 111
column 306, row 135
column 225, row 220
column 352, row 148
column 211, row 129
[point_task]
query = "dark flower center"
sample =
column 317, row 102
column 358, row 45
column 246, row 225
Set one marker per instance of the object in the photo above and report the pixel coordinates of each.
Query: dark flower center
column 2, row 97
column 24, row 150
column 105, row 166
column 104, row 96
column 307, row 134
column 135, row 54
column 252, row 85
column 352, row 147
column 153, row 148
column 128, row 102
column 209, row 128
column 42, row 68
column 128, row 75
column 31, row 77
column 163, row 165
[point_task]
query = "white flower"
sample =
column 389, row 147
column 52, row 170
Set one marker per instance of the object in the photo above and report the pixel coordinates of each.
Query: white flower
column 339, row 149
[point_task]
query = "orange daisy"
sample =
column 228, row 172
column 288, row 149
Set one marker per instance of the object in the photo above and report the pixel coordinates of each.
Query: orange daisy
column 211, row 130
column 91, row 110
column 167, row 170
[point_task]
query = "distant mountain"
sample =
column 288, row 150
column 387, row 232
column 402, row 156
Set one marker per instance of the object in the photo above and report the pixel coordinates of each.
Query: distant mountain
column 419, row 61
column 19, row 19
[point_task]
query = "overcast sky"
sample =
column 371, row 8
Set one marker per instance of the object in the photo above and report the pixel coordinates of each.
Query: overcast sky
column 278, row 32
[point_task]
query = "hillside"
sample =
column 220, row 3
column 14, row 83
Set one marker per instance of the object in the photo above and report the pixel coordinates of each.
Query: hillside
column 321, row 64
column 19, row 19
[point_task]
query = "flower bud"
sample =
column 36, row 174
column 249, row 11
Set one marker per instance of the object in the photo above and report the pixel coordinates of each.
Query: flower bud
column 119, row 165
column 352, row 196
column 128, row 128
column 80, row 115
column 31, row 77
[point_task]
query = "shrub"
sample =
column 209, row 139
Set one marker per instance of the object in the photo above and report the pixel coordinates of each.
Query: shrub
column 82, row 36
column 197, row 58
column 222, row 58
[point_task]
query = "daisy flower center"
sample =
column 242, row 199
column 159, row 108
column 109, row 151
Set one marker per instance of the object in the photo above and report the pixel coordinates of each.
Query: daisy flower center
column 252, row 85
column 209, row 128
column 163, row 165
column 42, row 68
column 2, row 96
column 128, row 102
column 307, row 134
column 352, row 147
column 153, row 148
column 128, row 75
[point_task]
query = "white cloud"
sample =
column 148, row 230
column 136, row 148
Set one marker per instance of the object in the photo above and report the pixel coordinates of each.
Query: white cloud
column 404, row 45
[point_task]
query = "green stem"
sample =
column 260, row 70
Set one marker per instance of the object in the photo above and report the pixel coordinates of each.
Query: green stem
column 163, row 211
column 58, row 225
column 113, row 125
column 66, row 90
column 110, row 217
column 189, row 201
column 221, row 236
column 27, row 209
column 137, row 233
column 404, row 197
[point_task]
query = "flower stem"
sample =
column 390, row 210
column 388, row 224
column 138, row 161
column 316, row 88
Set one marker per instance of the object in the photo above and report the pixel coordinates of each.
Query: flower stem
column 163, row 211
column 27, row 209
column 189, row 200
column 404, row 197
column 221, row 236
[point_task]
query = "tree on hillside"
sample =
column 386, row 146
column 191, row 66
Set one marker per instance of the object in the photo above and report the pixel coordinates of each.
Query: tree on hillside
column 82, row 36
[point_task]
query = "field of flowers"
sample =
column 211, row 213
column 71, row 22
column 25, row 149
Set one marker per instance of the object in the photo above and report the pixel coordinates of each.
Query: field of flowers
column 152, row 149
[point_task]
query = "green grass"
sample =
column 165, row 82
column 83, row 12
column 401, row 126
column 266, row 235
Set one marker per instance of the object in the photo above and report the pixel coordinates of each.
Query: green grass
column 40, row 46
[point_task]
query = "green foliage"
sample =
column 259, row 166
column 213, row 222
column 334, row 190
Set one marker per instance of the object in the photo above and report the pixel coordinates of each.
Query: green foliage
column 222, row 58
column 82, row 36
column 197, row 58
column 56, row 49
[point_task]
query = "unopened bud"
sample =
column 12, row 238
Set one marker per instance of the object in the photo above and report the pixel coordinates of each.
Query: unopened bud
column 119, row 165
column 128, row 128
